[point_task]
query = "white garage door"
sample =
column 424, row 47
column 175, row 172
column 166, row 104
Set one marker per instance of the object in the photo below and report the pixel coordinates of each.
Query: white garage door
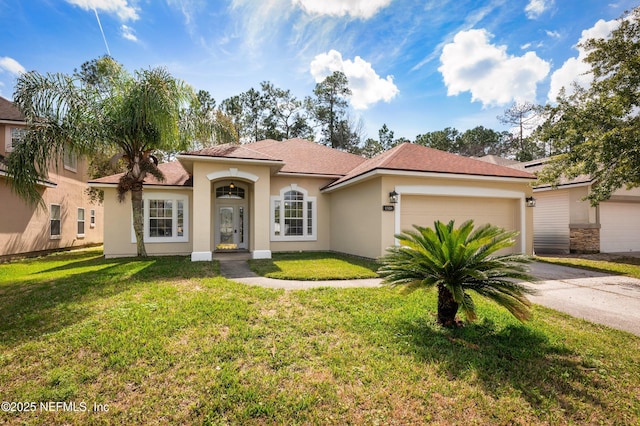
column 551, row 222
column 620, row 227
column 424, row 210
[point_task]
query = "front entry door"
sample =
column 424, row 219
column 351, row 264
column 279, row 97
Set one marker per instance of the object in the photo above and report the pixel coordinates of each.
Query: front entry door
column 230, row 233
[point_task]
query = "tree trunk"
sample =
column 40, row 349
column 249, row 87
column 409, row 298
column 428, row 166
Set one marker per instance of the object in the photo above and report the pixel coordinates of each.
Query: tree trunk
column 447, row 307
column 138, row 219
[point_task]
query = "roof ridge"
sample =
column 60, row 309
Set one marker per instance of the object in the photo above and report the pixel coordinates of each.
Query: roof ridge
column 259, row 152
column 392, row 153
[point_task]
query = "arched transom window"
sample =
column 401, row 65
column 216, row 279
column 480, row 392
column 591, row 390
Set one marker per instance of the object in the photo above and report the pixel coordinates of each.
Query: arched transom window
column 232, row 191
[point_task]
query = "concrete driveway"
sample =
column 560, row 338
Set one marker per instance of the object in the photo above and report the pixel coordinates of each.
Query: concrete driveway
column 611, row 300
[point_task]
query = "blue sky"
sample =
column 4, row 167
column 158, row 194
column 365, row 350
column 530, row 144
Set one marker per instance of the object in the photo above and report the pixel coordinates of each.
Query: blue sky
column 416, row 66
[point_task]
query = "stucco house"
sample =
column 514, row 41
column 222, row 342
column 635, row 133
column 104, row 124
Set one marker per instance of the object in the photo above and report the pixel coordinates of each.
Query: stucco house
column 292, row 195
column 565, row 222
column 69, row 219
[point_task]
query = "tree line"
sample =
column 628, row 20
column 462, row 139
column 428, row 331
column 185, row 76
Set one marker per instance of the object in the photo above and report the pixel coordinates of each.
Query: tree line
column 270, row 112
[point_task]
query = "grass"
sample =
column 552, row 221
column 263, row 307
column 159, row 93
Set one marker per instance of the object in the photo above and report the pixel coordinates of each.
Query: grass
column 620, row 265
column 167, row 341
column 313, row 266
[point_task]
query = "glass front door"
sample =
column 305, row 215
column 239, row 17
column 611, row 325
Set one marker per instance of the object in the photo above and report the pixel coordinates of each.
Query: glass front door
column 231, row 233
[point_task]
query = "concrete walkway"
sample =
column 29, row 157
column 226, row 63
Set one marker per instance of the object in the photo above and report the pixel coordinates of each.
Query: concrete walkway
column 238, row 270
column 611, row 300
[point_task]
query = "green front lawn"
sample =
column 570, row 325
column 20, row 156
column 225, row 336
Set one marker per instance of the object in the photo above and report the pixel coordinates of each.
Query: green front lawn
column 168, row 341
column 622, row 265
column 314, row 266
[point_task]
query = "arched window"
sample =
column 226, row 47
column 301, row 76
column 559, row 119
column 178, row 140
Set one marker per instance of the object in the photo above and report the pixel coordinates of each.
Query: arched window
column 293, row 215
column 230, row 191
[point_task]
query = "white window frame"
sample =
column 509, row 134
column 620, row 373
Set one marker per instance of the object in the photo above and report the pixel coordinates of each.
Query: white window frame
column 81, row 220
column 277, row 201
column 175, row 198
column 51, row 219
column 92, row 218
column 9, row 141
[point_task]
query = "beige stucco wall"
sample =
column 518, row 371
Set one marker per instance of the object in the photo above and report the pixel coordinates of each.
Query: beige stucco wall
column 204, row 202
column 357, row 219
column 118, row 240
column 26, row 229
column 580, row 210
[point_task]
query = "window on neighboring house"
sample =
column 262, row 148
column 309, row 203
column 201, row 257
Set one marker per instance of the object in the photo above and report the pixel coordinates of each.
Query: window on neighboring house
column 293, row 215
column 80, row 222
column 16, row 136
column 70, row 160
column 92, row 218
column 165, row 218
column 54, row 221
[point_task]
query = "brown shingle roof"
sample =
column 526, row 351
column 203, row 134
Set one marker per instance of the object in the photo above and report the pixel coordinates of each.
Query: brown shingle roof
column 9, row 112
column 174, row 175
column 233, row 151
column 297, row 156
column 303, row 156
column 494, row 159
column 412, row 157
column 306, row 157
column 535, row 166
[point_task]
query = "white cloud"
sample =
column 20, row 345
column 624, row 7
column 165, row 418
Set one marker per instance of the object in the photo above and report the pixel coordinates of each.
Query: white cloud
column 535, row 8
column 128, row 33
column 366, row 85
column 11, row 65
column 121, row 8
column 553, row 34
column 471, row 64
column 575, row 69
column 364, row 9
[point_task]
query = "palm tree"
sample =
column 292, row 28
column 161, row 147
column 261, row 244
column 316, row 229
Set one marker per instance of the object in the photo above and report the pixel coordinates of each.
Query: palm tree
column 102, row 109
column 456, row 260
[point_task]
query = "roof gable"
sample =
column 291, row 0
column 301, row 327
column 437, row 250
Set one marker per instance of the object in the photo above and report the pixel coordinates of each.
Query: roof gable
column 418, row 158
column 243, row 152
column 306, row 157
column 174, row 175
column 297, row 156
column 9, row 112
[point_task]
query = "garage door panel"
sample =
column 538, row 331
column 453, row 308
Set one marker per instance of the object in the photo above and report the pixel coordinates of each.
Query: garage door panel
column 551, row 222
column 620, row 227
column 425, row 210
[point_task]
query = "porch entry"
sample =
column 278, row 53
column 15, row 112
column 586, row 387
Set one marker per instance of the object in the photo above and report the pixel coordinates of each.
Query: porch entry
column 231, row 219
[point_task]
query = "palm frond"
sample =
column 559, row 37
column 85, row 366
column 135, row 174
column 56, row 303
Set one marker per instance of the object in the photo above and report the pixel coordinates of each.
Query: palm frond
column 462, row 259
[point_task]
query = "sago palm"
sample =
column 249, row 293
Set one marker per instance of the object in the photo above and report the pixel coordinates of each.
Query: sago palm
column 456, row 261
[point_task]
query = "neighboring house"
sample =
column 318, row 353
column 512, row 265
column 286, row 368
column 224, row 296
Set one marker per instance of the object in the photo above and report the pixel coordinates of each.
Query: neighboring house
column 292, row 195
column 69, row 219
column 565, row 222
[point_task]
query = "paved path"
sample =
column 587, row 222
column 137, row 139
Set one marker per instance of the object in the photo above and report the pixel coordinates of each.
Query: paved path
column 238, row 270
column 611, row 300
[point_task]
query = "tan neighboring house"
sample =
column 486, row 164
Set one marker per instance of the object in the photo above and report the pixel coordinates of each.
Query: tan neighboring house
column 273, row 196
column 69, row 219
column 564, row 222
